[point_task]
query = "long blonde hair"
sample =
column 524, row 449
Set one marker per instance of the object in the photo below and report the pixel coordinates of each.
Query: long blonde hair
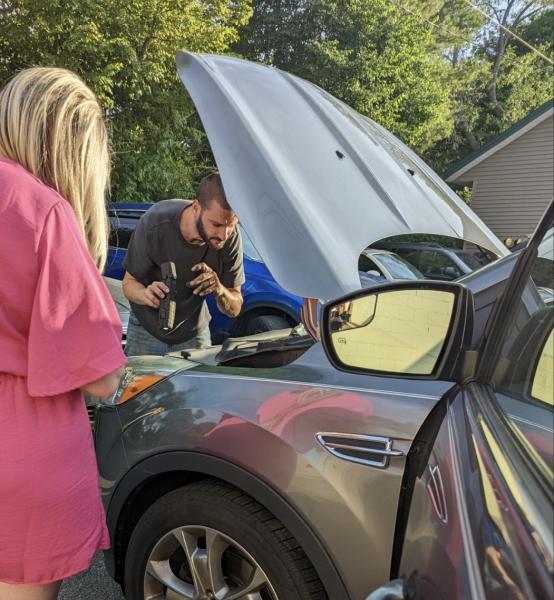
column 51, row 123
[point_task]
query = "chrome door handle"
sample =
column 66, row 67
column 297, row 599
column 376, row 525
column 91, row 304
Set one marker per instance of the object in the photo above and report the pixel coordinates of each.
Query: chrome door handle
column 371, row 450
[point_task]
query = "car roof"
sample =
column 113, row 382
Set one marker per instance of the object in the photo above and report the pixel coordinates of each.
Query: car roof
column 140, row 206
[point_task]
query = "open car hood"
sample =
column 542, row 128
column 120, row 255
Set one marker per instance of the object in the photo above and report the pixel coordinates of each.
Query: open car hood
column 312, row 181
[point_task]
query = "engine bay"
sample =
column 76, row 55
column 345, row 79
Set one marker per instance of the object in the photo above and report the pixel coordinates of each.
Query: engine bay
column 263, row 350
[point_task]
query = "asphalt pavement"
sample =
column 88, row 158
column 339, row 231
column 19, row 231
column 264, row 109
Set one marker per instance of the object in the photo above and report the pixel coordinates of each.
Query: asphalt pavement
column 94, row 584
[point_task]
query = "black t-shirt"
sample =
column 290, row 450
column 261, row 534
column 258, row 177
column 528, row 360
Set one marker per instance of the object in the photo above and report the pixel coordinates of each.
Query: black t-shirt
column 157, row 239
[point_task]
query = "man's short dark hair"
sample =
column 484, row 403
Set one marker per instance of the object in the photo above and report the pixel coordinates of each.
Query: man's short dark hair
column 210, row 189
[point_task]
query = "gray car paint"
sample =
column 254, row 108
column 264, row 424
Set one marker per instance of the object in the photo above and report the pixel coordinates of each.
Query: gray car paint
column 470, row 534
column 219, row 411
column 312, row 181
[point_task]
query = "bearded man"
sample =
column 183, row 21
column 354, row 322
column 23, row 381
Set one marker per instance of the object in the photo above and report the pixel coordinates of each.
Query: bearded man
column 201, row 239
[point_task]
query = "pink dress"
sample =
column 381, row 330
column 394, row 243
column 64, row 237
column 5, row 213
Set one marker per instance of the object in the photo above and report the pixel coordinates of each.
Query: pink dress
column 59, row 330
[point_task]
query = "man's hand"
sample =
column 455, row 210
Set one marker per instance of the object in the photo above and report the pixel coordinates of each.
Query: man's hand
column 152, row 294
column 148, row 296
column 229, row 300
column 207, row 282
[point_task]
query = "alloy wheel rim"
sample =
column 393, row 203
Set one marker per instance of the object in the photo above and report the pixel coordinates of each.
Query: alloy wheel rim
column 201, row 563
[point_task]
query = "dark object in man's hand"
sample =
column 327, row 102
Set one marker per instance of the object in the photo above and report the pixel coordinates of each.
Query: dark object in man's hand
column 168, row 305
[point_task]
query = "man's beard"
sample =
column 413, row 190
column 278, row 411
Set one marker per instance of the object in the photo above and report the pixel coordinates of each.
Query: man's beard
column 204, row 235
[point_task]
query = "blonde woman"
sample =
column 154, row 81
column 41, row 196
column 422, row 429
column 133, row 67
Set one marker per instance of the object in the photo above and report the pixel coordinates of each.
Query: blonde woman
column 59, row 329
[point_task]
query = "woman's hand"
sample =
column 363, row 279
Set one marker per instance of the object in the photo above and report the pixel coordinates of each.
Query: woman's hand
column 105, row 386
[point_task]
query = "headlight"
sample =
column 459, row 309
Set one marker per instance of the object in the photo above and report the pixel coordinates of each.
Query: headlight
column 143, row 372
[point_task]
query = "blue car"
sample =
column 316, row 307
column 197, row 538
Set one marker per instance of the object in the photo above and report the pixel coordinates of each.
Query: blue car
column 267, row 306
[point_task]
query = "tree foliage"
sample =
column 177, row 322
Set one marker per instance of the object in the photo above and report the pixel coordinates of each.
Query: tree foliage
column 491, row 83
column 437, row 73
column 538, row 31
column 126, row 52
column 370, row 54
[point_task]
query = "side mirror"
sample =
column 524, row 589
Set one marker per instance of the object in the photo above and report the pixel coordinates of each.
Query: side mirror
column 413, row 329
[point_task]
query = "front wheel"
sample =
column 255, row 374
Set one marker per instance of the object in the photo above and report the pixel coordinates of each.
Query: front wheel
column 210, row 541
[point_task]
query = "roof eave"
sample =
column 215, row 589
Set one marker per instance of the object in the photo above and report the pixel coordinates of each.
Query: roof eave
column 502, row 140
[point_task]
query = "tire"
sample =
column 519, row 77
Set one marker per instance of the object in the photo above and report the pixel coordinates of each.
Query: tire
column 228, row 516
column 263, row 323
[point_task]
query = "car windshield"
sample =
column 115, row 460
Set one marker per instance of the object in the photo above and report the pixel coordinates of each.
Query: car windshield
column 398, row 267
column 470, row 260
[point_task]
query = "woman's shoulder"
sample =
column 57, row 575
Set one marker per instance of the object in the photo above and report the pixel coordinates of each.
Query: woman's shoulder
column 24, row 194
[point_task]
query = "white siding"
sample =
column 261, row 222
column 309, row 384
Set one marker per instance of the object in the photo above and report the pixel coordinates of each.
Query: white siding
column 513, row 187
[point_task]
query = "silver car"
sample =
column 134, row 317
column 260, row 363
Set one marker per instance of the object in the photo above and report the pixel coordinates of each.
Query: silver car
column 382, row 265
column 271, row 467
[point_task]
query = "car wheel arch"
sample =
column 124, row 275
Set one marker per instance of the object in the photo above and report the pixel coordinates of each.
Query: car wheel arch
column 159, row 474
column 257, row 309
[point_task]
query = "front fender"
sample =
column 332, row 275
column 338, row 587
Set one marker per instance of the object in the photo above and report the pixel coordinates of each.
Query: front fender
column 212, row 466
column 265, row 422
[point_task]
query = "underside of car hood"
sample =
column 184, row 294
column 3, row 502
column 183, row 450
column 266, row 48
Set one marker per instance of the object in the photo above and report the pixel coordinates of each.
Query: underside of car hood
column 312, row 181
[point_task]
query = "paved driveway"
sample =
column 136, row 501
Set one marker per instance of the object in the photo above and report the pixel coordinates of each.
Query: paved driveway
column 94, row 584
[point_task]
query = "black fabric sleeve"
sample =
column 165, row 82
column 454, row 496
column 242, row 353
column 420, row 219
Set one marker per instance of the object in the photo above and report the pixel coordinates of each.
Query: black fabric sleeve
column 138, row 261
column 233, row 270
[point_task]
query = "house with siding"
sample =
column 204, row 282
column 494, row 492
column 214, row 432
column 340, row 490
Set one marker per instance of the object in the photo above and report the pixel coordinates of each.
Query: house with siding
column 512, row 176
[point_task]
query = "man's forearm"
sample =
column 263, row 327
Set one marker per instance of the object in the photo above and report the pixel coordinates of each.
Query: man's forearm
column 229, row 302
column 133, row 290
column 149, row 295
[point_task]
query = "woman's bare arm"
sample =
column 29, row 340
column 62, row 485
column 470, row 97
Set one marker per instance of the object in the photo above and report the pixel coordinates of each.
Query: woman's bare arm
column 105, row 386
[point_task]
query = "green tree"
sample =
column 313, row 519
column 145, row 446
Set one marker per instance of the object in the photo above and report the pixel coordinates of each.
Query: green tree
column 491, row 85
column 438, row 73
column 370, row 54
column 126, row 52
column 538, row 31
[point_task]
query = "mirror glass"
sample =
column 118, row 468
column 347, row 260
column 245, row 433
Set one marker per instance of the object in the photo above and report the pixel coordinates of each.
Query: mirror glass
column 397, row 331
column 543, row 381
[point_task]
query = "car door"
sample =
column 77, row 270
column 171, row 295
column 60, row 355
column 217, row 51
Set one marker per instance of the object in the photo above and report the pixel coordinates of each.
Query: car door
column 480, row 517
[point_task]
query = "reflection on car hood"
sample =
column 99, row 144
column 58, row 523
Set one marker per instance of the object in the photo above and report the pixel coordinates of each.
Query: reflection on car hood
column 312, row 181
